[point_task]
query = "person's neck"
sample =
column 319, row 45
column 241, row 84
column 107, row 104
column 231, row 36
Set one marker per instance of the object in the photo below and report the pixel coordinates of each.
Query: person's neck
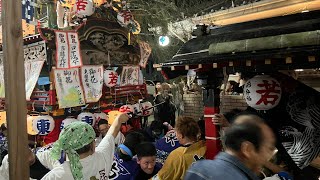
column 84, row 155
column 241, row 158
column 188, row 142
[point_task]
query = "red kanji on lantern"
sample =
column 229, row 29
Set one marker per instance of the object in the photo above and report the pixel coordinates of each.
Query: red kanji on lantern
column 126, row 16
column 266, row 97
column 113, row 78
column 81, row 5
column 145, row 112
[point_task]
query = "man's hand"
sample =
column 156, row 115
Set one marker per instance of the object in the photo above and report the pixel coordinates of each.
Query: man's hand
column 123, row 117
column 219, row 119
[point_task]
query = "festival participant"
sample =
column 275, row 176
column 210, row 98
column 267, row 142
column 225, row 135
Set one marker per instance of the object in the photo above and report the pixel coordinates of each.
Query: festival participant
column 166, row 145
column 179, row 160
column 103, row 127
column 124, row 167
column 146, row 158
column 85, row 161
column 249, row 144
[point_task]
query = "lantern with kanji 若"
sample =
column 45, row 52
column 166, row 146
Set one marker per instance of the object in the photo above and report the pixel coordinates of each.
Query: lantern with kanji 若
column 87, row 117
column 262, row 92
column 83, row 8
column 126, row 108
column 100, row 115
column 43, row 125
column 147, row 108
column 66, row 122
column 110, row 78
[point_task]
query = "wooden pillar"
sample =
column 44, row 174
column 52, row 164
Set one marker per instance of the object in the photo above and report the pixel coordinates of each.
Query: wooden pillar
column 15, row 89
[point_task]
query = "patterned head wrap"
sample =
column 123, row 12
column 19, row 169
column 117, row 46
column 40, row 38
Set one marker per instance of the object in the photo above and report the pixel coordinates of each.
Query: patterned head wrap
column 73, row 137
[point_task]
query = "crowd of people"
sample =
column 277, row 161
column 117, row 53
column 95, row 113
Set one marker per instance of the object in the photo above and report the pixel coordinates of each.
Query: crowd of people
column 80, row 153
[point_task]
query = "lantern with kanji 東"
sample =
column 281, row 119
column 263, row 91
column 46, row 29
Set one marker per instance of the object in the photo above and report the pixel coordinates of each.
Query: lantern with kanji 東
column 110, row 78
column 147, row 108
column 43, row 124
column 30, row 121
column 66, row 122
column 87, row 117
column 262, row 92
column 83, row 8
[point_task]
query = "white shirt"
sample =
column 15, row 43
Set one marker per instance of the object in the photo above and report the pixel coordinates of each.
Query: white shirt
column 95, row 166
column 118, row 140
column 43, row 156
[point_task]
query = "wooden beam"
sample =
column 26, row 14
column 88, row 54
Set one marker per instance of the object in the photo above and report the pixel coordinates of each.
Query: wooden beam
column 15, row 89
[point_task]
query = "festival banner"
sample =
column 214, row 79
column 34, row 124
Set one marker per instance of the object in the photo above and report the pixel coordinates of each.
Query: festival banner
column 68, row 50
column 68, row 88
column 130, row 75
column 145, row 52
column 32, row 70
column 92, row 82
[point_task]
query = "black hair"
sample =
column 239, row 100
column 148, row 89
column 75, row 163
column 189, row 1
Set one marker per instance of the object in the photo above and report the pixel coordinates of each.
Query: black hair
column 84, row 149
column 3, row 127
column 133, row 139
column 239, row 133
column 230, row 115
column 201, row 124
column 146, row 149
column 102, row 121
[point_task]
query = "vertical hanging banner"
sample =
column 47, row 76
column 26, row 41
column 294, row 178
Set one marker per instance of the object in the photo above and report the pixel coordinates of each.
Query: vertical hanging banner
column 68, row 50
column 145, row 52
column 130, row 75
column 92, row 82
column 32, row 70
column 68, row 88
column 2, row 88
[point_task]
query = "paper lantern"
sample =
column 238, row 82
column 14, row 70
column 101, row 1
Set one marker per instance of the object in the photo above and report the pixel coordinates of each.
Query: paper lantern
column 67, row 121
column 262, row 92
column 43, row 124
column 126, row 109
column 99, row 116
column 84, row 8
column 30, row 122
column 87, row 117
column 124, row 18
column 67, row 3
column 3, row 117
column 110, row 78
column 137, row 109
column 145, row 108
column 113, row 115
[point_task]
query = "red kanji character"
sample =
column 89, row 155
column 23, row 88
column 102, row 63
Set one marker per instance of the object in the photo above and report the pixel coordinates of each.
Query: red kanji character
column 126, row 16
column 265, row 93
column 144, row 111
column 124, row 109
column 81, row 5
column 113, row 78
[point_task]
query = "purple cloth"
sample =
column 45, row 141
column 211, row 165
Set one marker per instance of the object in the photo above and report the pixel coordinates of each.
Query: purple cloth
column 165, row 145
column 123, row 170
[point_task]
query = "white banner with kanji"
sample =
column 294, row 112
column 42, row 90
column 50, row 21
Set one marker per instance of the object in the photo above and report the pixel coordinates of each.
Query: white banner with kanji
column 145, row 52
column 32, row 70
column 68, row 88
column 92, row 82
column 68, row 50
column 130, row 75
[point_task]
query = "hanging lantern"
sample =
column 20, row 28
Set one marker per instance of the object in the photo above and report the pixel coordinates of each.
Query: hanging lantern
column 126, row 108
column 83, row 8
column 43, row 124
column 87, row 117
column 66, row 122
column 145, row 108
column 67, row 3
column 124, row 18
column 110, row 78
column 99, row 116
column 30, row 122
column 137, row 109
column 113, row 115
column 262, row 92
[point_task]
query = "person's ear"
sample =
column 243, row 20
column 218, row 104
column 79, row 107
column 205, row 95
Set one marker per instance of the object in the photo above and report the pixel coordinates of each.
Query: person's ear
column 138, row 161
column 247, row 149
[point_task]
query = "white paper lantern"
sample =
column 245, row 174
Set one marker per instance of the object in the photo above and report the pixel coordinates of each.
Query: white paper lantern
column 83, row 8
column 145, row 108
column 101, row 115
column 262, row 92
column 126, row 108
column 137, row 108
column 110, row 78
column 43, row 124
column 67, row 121
column 30, row 122
column 87, row 117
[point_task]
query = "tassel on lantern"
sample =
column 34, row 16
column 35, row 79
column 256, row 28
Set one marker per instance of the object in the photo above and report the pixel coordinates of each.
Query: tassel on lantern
column 129, row 38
